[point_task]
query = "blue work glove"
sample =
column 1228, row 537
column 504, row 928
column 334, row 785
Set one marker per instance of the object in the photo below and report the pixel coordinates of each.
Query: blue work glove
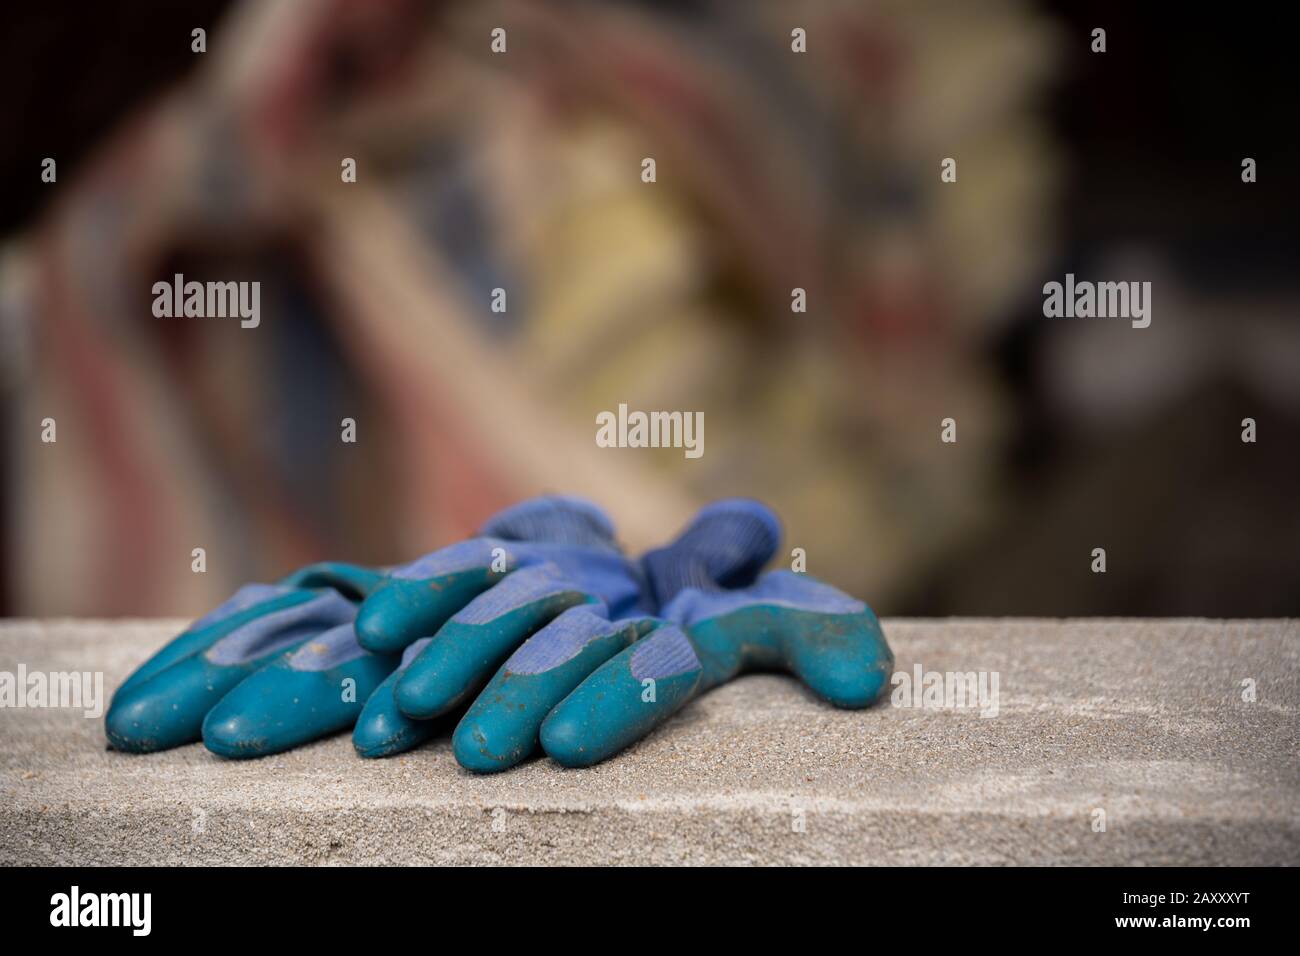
column 277, row 667
column 531, row 562
column 586, row 688
column 165, row 702
column 457, row 614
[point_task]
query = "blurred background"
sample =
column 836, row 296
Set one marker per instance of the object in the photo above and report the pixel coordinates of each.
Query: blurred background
column 775, row 170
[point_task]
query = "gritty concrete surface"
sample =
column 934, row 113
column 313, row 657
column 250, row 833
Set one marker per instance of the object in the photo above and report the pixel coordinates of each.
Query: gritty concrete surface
column 1143, row 720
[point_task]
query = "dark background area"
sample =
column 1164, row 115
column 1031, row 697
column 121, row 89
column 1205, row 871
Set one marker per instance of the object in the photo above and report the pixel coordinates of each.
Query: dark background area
column 1155, row 131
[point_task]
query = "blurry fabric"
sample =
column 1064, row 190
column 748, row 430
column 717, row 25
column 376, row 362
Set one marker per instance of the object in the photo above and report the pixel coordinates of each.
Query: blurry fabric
column 479, row 171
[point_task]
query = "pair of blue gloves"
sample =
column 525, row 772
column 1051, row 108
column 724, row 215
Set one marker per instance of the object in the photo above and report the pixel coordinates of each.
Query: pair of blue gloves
column 553, row 637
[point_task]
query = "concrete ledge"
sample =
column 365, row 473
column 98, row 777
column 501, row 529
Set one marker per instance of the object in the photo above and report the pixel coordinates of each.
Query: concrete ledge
column 1142, row 719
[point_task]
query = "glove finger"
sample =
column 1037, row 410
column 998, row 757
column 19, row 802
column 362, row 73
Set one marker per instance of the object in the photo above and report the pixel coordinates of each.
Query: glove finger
column 624, row 699
column 248, row 603
column 350, row 580
column 725, row 546
column 568, row 533
column 553, row 519
column 790, row 622
column 417, row 599
column 166, row 707
column 474, row 643
column 501, row 727
column 314, row 690
column 383, row 730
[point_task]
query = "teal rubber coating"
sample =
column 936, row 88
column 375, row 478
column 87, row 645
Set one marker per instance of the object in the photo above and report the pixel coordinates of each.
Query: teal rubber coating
column 473, row 644
column 787, row 622
column 382, row 729
column 292, row 702
column 620, row 703
column 501, row 728
column 164, row 703
column 726, row 544
column 793, row 623
column 284, row 641
column 168, row 710
column 401, row 611
column 351, row 580
column 559, row 554
column 542, row 608
column 418, row 598
column 249, row 602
